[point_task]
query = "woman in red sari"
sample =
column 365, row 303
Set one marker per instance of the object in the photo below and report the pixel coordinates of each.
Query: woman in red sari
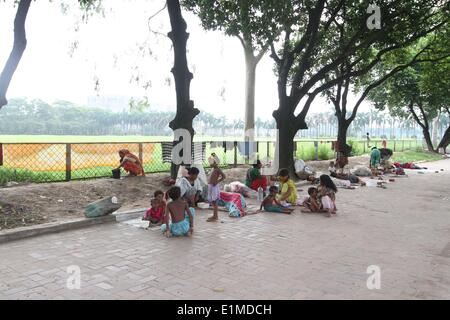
column 254, row 179
column 130, row 163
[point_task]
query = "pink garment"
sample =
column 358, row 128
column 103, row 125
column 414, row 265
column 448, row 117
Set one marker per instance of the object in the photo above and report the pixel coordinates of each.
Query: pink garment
column 327, row 203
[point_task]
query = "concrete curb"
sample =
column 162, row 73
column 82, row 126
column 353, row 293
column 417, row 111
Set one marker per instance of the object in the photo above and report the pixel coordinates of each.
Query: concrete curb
column 53, row 227
column 131, row 214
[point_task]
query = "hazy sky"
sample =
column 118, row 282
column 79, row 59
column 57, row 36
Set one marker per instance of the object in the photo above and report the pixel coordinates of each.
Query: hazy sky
column 108, row 50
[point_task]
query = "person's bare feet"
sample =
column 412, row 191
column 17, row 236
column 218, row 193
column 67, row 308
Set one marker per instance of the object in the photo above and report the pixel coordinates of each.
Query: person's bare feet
column 212, row 219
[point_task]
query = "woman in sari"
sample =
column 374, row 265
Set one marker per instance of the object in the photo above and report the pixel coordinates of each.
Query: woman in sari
column 254, row 179
column 130, row 163
column 191, row 187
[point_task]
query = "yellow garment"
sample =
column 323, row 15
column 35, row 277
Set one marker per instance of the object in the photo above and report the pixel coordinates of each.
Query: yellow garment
column 285, row 187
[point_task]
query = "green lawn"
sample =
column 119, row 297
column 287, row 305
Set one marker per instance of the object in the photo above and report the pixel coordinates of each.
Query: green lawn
column 414, row 156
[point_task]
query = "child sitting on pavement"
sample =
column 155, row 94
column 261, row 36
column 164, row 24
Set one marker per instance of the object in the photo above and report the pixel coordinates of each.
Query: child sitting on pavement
column 312, row 204
column 179, row 213
column 271, row 204
column 155, row 214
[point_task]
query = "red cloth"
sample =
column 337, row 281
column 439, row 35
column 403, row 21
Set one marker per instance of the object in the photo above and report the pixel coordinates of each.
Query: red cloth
column 234, row 198
column 155, row 213
column 260, row 182
column 133, row 167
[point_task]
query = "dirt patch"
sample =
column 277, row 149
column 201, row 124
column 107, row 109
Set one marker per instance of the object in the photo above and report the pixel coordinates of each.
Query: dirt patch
column 14, row 216
column 30, row 204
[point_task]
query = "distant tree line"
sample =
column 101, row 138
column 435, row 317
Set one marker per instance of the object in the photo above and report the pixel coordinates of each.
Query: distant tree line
column 65, row 118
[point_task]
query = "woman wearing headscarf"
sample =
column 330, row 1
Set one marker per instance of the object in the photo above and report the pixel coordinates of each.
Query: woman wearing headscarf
column 130, row 163
column 254, row 179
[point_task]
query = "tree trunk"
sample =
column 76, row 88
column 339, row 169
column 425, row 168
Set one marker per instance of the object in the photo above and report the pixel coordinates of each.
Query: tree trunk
column 20, row 43
column 427, row 137
column 343, row 125
column 185, row 106
column 286, row 126
column 250, row 84
column 445, row 141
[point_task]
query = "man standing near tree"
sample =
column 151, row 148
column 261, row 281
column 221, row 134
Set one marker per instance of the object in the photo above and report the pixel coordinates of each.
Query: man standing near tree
column 368, row 140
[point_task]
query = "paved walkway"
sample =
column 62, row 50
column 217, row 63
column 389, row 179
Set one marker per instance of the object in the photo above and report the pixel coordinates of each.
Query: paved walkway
column 404, row 230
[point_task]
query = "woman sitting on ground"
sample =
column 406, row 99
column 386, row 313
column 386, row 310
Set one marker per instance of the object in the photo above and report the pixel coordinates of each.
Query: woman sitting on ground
column 130, row 163
column 288, row 190
column 254, row 179
column 191, row 187
column 327, row 194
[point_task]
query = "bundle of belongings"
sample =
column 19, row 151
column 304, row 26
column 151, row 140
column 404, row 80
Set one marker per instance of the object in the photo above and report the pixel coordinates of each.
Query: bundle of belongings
column 302, row 170
column 234, row 202
column 408, row 165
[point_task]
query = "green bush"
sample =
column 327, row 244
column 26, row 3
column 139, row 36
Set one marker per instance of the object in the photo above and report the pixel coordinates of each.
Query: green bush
column 324, row 152
column 357, row 148
column 8, row 175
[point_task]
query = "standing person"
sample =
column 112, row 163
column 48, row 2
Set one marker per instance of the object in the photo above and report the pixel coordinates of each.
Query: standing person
column 216, row 177
column 130, row 163
column 180, row 215
column 191, row 187
column 368, row 140
column 327, row 194
column 254, row 179
column 288, row 190
column 375, row 158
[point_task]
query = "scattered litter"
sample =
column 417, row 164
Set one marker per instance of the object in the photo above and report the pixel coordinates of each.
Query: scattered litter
column 43, row 197
column 218, row 289
column 60, row 200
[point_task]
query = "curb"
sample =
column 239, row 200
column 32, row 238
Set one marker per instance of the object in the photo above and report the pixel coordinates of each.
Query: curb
column 52, row 227
column 128, row 215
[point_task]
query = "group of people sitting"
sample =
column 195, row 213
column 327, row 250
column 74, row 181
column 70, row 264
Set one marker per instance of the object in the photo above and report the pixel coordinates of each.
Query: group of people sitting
column 174, row 210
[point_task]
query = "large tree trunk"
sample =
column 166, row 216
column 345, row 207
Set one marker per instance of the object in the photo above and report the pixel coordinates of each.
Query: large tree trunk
column 20, row 43
column 287, row 128
column 185, row 106
column 427, row 137
column 250, row 84
column 445, row 141
column 343, row 148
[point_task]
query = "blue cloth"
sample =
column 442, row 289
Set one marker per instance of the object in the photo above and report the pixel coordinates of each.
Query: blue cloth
column 179, row 228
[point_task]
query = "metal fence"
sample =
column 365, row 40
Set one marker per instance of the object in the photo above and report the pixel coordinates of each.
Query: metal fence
column 51, row 162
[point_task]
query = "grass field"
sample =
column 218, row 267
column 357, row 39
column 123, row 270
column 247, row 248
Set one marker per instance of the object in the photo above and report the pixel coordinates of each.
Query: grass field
column 41, row 161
